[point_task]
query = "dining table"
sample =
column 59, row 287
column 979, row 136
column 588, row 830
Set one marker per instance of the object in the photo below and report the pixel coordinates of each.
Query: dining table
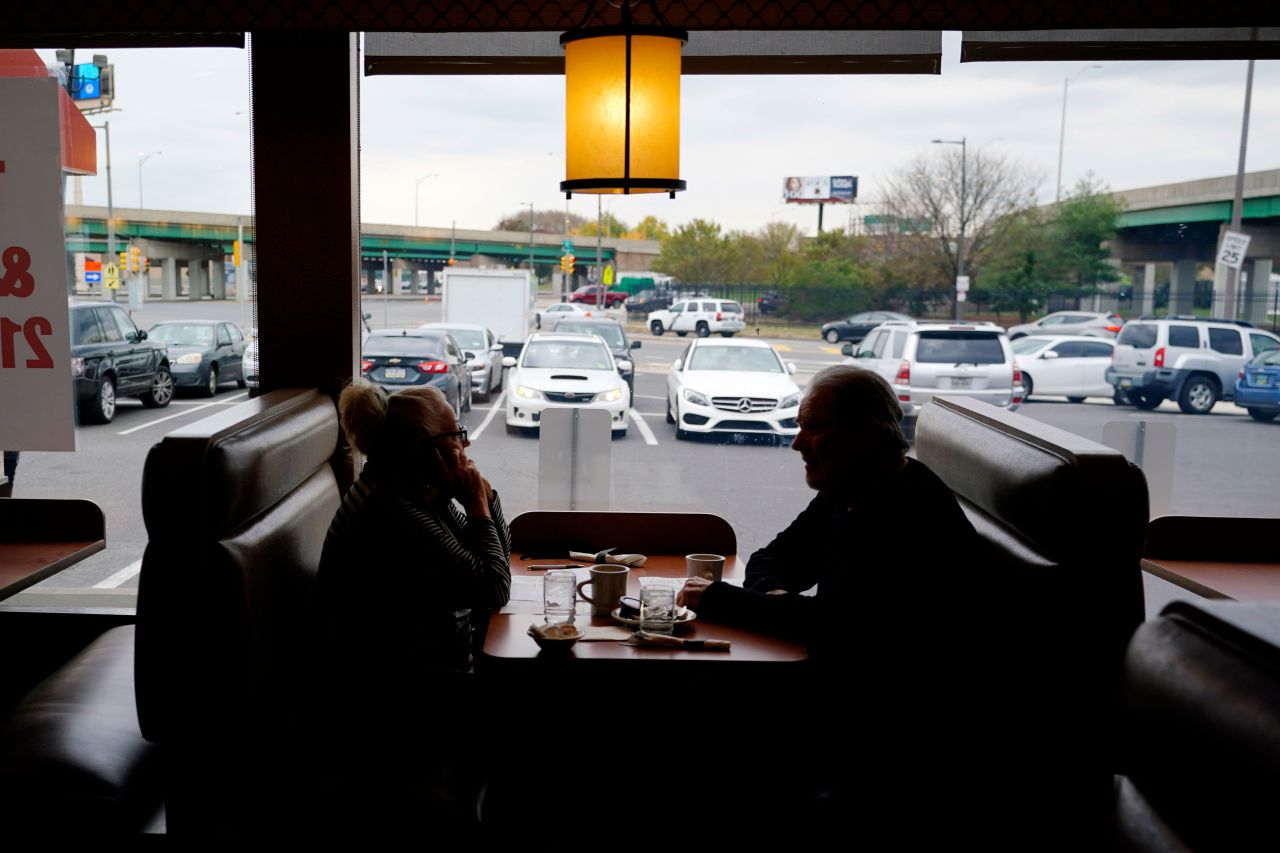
column 1223, row 558
column 40, row 537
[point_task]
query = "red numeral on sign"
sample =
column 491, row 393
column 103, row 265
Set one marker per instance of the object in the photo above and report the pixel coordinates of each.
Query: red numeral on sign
column 32, row 330
column 16, row 279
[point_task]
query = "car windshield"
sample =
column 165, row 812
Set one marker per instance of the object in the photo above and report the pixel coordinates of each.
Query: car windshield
column 183, row 334
column 1270, row 358
column 468, row 338
column 1023, row 346
column 757, row 359
column 1140, row 335
column 580, row 354
column 378, row 345
column 610, row 332
column 959, row 348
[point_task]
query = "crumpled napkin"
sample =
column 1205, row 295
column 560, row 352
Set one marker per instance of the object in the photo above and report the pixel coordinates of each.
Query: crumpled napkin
column 633, row 560
column 644, row 638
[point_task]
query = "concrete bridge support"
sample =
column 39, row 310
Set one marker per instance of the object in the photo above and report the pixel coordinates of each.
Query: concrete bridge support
column 197, row 279
column 218, row 279
column 1257, row 291
column 1144, row 295
column 1182, row 287
column 169, row 279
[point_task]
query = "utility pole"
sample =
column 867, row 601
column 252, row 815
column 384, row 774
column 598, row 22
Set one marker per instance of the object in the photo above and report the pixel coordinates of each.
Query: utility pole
column 963, row 143
column 599, row 252
column 1233, row 275
column 111, row 212
column 1062, row 128
column 530, row 236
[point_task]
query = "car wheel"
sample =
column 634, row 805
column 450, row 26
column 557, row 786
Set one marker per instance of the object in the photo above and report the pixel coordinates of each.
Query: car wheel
column 704, row 331
column 833, row 337
column 161, row 391
column 1027, row 385
column 1146, row 401
column 726, row 334
column 102, row 408
column 1075, row 399
column 1198, row 395
column 670, row 417
column 681, row 334
column 656, row 328
column 512, row 429
column 619, row 434
column 1121, row 398
column 1263, row 415
column 211, row 387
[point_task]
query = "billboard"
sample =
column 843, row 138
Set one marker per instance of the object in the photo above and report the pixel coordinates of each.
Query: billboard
column 831, row 189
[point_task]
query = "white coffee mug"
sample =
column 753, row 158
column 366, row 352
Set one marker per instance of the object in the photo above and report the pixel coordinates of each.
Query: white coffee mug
column 709, row 566
column 608, row 584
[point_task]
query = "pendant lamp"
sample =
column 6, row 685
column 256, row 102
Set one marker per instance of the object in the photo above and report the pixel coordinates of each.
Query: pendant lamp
column 622, row 98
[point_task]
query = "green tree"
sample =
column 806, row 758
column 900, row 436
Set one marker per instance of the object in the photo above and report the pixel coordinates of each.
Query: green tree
column 613, row 227
column 779, row 253
column 1016, row 270
column 650, row 228
column 544, row 222
column 1084, row 223
column 696, row 253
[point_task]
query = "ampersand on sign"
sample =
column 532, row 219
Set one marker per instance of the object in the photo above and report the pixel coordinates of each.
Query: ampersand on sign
column 17, row 280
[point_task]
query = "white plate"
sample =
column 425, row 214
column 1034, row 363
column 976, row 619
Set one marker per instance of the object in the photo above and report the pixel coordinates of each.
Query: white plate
column 684, row 618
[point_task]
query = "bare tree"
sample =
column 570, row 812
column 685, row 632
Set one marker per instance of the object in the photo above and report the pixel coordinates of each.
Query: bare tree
column 938, row 196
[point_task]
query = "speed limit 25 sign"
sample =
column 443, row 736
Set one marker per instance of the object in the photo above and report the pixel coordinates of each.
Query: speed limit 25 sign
column 1234, row 245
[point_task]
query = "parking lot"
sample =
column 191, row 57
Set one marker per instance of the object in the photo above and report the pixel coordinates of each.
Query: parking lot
column 1225, row 462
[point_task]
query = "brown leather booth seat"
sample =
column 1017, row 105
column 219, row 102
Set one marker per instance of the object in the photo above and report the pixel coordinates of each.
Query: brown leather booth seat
column 1062, row 521
column 225, row 637
column 1201, row 741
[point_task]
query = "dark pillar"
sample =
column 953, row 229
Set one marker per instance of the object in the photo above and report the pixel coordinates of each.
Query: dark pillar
column 306, row 206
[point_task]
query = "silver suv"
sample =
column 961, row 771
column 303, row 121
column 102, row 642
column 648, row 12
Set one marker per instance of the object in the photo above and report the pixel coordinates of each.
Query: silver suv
column 1091, row 324
column 924, row 360
column 1194, row 362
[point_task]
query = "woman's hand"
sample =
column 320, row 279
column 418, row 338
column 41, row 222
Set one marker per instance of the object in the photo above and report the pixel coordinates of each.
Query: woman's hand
column 464, row 481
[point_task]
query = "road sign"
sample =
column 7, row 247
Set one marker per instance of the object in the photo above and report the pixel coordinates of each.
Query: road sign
column 567, row 245
column 608, row 276
column 1234, row 246
column 110, row 277
column 961, row 296
column 962, row 284
column 92, row 277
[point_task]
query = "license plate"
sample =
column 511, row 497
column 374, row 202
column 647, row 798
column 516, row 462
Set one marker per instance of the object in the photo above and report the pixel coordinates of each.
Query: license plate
column 1261, row 379
column 1126, row 383
column 394, row 373
column 961, row 381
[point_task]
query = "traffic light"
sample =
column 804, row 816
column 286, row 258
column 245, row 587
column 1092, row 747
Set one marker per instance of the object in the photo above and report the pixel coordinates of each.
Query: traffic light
column 124, row 262
column 451, row 262
column 568, row 260
column 146, row 265
column 135, row 259
column 564, row 262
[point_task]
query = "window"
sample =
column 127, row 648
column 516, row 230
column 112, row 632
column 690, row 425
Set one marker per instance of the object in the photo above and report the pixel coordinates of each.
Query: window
column 1097, row 349
column 86, row 329
column 677, row 308
column 1054, row 321
column 1138, row 335
column 403, row 345
column 959, row 348
column 1262, row 343
column 731, row 307
column 128, row 330
column 1226, row 341
column 236, row 335
column 877, row 346
column 224, row 335
column 1069, row 349
column 110, row 330
column 1184, row 336
column 867, row 348
column 758, row 359
column 709, row 306
column 899, row 342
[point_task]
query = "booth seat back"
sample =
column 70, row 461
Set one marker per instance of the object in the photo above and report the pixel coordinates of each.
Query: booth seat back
column 236, row 508
column 1062, row 522
column 1201, row 756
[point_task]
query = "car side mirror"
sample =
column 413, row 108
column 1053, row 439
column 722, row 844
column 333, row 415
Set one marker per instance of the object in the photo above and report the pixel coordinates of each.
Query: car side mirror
column 791, row 367
column 468, row 355
column 847, row 349
column 142, row 336
column 496, row 348
column 508, row 361
column 635, row 345
column 677, row 364
column 1050, row 354
column 624, row 365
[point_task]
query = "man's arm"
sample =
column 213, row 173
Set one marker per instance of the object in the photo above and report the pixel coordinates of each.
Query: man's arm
column 792, row 616
column 791, row 560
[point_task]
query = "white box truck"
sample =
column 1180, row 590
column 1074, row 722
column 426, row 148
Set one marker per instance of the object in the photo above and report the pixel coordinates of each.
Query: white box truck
column 501, row 300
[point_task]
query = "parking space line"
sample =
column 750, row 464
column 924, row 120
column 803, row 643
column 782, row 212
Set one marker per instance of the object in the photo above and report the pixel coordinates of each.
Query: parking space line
column 649, row 437
column 182, row 413
column 781, row 347
column 647, row 397
column 120, row 577
column 832, row 350
column 493, row 411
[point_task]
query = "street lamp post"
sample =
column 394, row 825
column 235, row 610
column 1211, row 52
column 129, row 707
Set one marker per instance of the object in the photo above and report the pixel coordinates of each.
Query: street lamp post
column 142, row 159
column 1062, row 127
column 963, row 143
column 530, row 234
column 111, row 213
column 416, row 184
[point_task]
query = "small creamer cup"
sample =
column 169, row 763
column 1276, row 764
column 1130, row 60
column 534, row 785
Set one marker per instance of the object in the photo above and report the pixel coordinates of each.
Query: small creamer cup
column 709, row 566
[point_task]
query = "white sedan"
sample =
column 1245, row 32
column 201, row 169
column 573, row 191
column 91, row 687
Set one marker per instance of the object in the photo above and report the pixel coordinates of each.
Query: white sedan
column 548, row 316
column 732, row 386
column 1071, row 366
column 564, row 370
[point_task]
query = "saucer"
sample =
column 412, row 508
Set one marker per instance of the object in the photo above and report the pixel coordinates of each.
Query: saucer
column 684, row 618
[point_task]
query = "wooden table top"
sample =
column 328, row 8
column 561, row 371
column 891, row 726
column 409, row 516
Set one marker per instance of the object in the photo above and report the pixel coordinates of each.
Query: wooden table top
column 508, row 640
column 41, row 537
column 1241, row 581
column 23, row 564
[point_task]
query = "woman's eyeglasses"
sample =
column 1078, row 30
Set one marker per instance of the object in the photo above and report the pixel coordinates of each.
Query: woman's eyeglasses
column 460, row 433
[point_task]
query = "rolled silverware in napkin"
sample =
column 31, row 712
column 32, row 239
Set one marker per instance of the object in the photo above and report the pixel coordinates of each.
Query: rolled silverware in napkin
column 633, row 560
column 644, row 638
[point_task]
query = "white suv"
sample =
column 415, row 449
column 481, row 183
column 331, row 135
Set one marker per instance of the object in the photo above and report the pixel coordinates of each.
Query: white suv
column 924, row 360
column 1194, row 362
column 701, row 315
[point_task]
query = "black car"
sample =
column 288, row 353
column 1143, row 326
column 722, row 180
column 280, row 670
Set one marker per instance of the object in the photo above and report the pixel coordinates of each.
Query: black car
column 613, row 335
column 203, row 353
column 648, row 300
column 112, row 358
column 856, row 327
column 403, row 358
column 769, row 303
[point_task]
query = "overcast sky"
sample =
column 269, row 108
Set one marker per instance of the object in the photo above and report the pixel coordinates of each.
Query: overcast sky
column 497, row 143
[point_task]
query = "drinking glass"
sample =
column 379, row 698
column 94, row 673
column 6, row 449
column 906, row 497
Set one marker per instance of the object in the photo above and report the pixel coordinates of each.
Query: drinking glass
column 559, row 596
column 658, row 608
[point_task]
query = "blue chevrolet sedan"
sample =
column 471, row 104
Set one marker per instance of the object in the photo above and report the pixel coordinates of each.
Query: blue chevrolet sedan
column 1258, row 386
column 203, row 353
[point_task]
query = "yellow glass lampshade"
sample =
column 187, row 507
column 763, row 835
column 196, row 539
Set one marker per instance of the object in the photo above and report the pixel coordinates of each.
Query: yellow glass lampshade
column 622, row 135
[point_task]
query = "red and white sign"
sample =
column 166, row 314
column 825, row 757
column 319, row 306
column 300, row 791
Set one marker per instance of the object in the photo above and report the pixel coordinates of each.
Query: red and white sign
column 35, row 349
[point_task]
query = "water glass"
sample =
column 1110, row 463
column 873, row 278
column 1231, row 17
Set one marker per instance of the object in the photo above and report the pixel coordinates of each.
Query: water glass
column 658, row 608
column 559, row 597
